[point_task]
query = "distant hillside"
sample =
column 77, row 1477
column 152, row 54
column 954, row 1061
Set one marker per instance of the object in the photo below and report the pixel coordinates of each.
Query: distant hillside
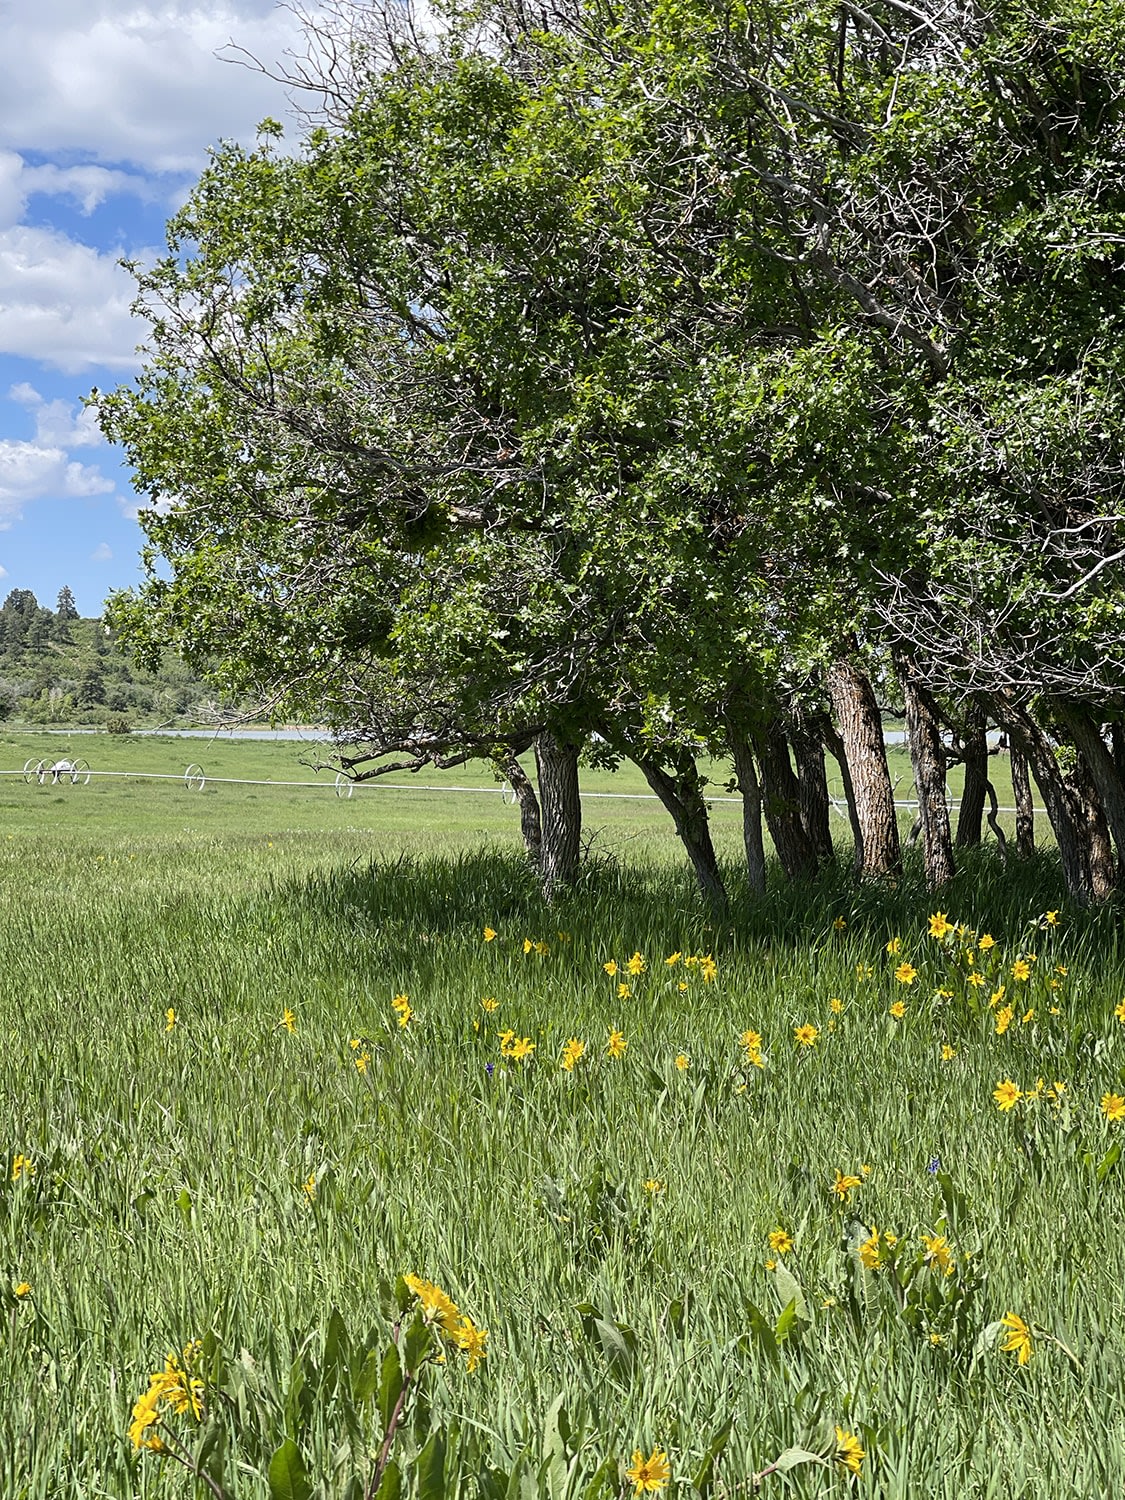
column 56, row 668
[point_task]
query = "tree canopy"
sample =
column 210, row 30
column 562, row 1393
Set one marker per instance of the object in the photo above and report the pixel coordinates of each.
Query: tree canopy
column 688, row 372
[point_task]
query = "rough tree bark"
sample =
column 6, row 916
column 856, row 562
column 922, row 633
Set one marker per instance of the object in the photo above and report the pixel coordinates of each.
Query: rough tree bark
column 927, row 756
column 879, row 852
column 531, row 826
column 1103, row 870
column 681, row 793
column 835, row 746
column 781, row 795
column 974, row 758
column 1070, row 833
column 812, row 784
column 1103, row 770
column 750, row 787
column 1025, row 807
column 556, row 761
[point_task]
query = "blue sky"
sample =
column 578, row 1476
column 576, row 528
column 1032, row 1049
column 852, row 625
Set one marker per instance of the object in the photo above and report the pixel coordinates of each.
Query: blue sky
column 107, row 108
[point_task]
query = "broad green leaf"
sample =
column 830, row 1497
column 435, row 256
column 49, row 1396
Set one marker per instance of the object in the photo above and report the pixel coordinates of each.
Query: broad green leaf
column 288, row 1478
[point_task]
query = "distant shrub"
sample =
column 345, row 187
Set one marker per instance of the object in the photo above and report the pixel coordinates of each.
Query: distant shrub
column 118, row 724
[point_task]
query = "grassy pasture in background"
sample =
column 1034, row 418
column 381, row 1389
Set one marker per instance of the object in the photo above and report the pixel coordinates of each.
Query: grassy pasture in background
column 167, row 1192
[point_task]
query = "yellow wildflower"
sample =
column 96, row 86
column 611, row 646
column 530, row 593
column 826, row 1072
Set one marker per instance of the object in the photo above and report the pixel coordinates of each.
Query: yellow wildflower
column 288, row 1021
column 869, row 1252
column 906, row 973
column 683, row 1062
column 1018, row 1341
column 986, row 942
column 1113, row 1107
column 1021, row 969
column 310, row 1186
column 616, row 1044
column 169, row 1019
column 938, row 1253
column 997, row 995
column 489, row 934
column 1028, row 1016
column 528, row 945
column 653, row 1185
column 839, row 925
column 673, row 959
column 1004, row 1019
column 898, row 1009
column 1119, row 1011
column 651, row 1473
column 437, row 1307
column 836, row 1006
column 781, row 1241
column 611, row 967
column 22, row 1166
column 572, row 1053
column 806, row 1034
column 521, row 1049
column 894, row 946
column 939, row 926
column 22, row 1289
column 708, row 968
column 636, row 965
column 361, row 1060
column 1051, row 919
column 948, row 1053
column 623, row 992
column 976, row 979
column 848, row 1451
column 844, row 1184
column 1006, row 1095
column 471, row 1341
column 489, row 1004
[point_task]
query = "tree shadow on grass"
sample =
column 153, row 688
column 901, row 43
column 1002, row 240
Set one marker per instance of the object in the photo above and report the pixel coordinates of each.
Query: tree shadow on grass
column 657, row 903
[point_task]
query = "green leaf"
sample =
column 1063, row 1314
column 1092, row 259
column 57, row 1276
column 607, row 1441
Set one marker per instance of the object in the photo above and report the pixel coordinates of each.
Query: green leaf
column 787, row 1322
column 1108, row 1162
column 368, row 1378
column 792, row 1458
column 763, row 1333
column 390, row 1486
column 288, row 1478
column 390, row 1383
column 789, row 1290
column 431, row 1468
column 705, row 1474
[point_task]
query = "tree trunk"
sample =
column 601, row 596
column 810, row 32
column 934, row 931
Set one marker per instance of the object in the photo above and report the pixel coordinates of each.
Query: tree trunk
column 556, row 762
column 530, row 823
column 1103, row 871
column 861, row 730
column 1102, row 769
column 750, row 787
column 1025, row 807
column 927, row 756
column 974, row 758
column 682, row 795
column 781, row 795
column 812, row 784
column 1070, row 833
column 835, row 746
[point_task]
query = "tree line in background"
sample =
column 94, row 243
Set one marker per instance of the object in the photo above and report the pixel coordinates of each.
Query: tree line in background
column 674, row 379
column 57, row 669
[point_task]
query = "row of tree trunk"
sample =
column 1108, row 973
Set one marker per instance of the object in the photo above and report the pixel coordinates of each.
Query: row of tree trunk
column 779, row 760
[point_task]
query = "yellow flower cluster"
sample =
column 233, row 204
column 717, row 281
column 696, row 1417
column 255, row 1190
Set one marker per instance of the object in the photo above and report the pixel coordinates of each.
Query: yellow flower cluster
column 22, row 1166
column 402, row 1009
column 172, row 1390
column 440, row 1310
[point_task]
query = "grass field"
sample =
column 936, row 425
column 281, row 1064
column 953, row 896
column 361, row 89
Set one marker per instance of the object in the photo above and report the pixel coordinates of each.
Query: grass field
column 184, row 1163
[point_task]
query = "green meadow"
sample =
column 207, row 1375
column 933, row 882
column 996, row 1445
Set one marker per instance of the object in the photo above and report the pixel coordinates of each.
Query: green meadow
column 816, row 1209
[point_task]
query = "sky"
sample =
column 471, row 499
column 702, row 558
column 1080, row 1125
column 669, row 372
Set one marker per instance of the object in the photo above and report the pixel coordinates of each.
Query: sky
column 107, row 108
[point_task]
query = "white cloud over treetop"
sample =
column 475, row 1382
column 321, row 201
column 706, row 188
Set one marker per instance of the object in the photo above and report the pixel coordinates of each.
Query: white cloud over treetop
column 138, row 83
column 31, row 471
column 64, row 304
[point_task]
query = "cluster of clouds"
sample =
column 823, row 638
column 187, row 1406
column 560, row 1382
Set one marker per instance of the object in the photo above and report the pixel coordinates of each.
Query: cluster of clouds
column 104, row 102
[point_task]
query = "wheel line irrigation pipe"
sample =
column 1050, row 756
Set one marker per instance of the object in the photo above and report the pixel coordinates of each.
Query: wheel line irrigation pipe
column 196, row 780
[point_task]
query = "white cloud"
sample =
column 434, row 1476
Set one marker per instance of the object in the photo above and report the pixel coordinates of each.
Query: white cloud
column 3, row 572
column 101, row 553
column 138, row 82
column 58, row 424
column 32, row 471
column 63, row 303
